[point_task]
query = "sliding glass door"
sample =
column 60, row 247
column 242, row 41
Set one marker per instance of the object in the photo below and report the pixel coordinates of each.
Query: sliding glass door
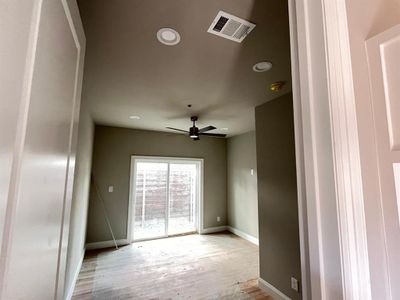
column 165, row 197
column 182, row 198
column 151, row 191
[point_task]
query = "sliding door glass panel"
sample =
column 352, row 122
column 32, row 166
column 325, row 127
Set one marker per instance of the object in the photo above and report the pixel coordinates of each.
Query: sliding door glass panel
column 151, row 191
column 182, row 198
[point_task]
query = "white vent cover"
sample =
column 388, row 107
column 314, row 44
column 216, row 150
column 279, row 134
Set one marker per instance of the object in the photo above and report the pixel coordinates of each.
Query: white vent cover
column 230, row 27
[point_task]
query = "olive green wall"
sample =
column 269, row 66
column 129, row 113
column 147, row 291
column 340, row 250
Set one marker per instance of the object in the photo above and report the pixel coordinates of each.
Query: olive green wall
column 242, row 185
column 277, row 195
column 113, row 148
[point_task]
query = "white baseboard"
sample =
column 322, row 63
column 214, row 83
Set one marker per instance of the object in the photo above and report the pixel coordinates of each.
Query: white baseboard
column 213, row 229
column 243, row 235
column 75, row 278
column 238, row 232
column 106, row 244
column 271, row 290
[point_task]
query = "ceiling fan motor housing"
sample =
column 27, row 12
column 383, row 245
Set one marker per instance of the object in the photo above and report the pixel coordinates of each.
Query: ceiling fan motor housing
column 194, row 132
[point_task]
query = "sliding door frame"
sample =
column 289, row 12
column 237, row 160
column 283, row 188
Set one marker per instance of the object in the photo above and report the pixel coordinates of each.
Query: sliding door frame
column 169, row 160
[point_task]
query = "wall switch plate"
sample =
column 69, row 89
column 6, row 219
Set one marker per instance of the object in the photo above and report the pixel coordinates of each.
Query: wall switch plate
column 218, row 219
column 252, row 172
column 294, row 284
column 111, row 189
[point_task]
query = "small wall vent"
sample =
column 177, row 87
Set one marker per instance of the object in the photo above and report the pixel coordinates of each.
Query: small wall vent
column 230, row 27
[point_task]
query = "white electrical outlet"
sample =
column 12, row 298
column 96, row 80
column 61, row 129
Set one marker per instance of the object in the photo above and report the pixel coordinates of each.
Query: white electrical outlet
column 218, row 219
column 110, row 189
column 294, row 284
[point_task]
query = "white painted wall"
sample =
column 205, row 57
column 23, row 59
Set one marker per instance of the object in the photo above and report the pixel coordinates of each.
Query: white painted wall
column 80, row 200
column 14, row 35
column 44, row 40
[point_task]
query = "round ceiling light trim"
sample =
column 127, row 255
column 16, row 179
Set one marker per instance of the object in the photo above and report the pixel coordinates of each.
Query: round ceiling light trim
column 168, row 36
column 262, row 66
column 134, row 117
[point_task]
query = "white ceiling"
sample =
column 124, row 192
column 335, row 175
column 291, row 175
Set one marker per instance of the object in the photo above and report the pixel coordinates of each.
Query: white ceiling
column 128, row 72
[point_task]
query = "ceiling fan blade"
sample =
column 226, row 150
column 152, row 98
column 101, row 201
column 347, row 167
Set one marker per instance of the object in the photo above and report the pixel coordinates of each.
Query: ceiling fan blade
column 177, row 129
column 208, row 128
column 214, row 134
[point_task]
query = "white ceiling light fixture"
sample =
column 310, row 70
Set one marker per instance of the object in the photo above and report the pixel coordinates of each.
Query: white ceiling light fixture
column 225, row 129
column 168, row 36
column 134, row 117
column 262, row 66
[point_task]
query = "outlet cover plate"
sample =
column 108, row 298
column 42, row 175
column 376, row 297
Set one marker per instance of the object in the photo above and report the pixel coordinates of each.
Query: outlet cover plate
column 294, row 284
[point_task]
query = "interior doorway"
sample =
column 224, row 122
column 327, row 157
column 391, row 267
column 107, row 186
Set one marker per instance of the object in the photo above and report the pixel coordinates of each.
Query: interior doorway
column 164, row 197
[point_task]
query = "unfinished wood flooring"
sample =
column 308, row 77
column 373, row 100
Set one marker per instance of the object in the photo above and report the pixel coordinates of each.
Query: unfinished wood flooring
column 214, row 266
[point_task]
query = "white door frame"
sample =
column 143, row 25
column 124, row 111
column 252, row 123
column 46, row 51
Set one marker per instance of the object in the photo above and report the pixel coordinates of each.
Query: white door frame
column 132, row 180
column 334, row 253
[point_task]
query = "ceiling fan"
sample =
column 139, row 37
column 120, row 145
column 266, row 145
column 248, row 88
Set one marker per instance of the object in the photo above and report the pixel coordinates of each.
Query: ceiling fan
column 195, row 132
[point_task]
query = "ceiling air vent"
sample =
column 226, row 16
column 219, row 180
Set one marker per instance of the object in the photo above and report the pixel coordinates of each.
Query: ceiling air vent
column 230, row 27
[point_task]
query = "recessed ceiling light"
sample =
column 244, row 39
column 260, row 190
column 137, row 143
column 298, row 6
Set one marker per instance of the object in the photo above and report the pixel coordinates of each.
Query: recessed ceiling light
column 225, row 129
column 168, row 36
column 262, row 66
column 134, row 117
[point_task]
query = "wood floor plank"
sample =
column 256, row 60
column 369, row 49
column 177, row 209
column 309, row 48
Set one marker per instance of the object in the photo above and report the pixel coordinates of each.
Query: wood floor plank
column 214, row 266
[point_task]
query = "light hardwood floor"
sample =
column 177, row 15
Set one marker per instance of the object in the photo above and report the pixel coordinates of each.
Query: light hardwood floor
column 213, row 266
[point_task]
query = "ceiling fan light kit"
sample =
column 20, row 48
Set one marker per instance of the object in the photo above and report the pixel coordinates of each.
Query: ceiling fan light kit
column 194, row 132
